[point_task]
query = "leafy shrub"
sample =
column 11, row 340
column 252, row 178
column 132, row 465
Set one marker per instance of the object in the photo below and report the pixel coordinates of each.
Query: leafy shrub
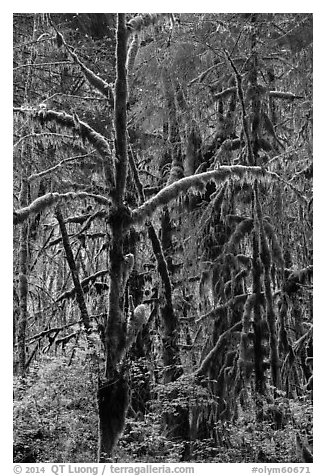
column 55, row 412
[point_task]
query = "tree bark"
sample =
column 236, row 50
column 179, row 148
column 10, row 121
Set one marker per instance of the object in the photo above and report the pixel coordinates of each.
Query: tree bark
column 113, row 401
column 23, row 283
column 113, row 396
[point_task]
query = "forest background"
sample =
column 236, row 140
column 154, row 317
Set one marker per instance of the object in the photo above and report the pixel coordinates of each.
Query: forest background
column 317, row 212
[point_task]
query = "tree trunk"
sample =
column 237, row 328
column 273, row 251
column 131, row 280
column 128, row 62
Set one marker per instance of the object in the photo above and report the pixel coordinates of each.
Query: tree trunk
column 23, row 283
column 260, row 377
column 113, row 401
column 113, row 396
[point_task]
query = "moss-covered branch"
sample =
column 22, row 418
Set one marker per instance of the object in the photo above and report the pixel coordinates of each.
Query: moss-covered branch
column 139, row 22
column 205, row 365
column 84, row 284
column 80, row 128
column 221, row 309
column 44, row 116
column 53, row 330
column 198, row 183
column 46, row 201
column 96, row 81
column 131, row 58
column 284, row 95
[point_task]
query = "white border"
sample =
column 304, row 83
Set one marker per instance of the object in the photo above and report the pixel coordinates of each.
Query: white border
column 319, row 190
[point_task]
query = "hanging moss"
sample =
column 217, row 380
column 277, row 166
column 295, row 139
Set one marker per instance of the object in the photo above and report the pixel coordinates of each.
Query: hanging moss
column 266, row 260
column 46, row 201
column 296, row 278
column 246, row 350
column 244, row 260
column 276, row 249
column 139, row 22
column 197, row 183
column 131, row 58
column 231, row 284
column 242, row 229
column 235, row 219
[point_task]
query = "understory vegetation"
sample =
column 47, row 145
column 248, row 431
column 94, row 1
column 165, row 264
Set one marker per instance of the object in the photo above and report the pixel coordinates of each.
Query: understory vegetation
column 55, row 420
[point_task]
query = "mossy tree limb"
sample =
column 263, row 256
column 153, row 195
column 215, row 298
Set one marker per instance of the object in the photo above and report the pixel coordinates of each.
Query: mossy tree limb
column 98, row 83
column 205, row 365
column 196, row 182
column 45, row 201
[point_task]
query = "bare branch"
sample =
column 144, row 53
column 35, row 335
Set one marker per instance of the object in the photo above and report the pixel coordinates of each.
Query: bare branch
column 58, row 165
column 37, row 65
column 297, row 192
column 203, row 75
column 244, row 112
column 225, row 93
column 74, row 272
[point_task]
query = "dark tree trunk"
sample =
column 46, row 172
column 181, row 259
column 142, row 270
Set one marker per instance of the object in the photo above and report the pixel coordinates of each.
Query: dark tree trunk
column 113, row 401
column 73, row 268
column 260, row 378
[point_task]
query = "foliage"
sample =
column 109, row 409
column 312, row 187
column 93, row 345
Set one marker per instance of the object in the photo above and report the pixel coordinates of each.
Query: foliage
column 55, row 421
column 143, row 441
column 55, row 413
